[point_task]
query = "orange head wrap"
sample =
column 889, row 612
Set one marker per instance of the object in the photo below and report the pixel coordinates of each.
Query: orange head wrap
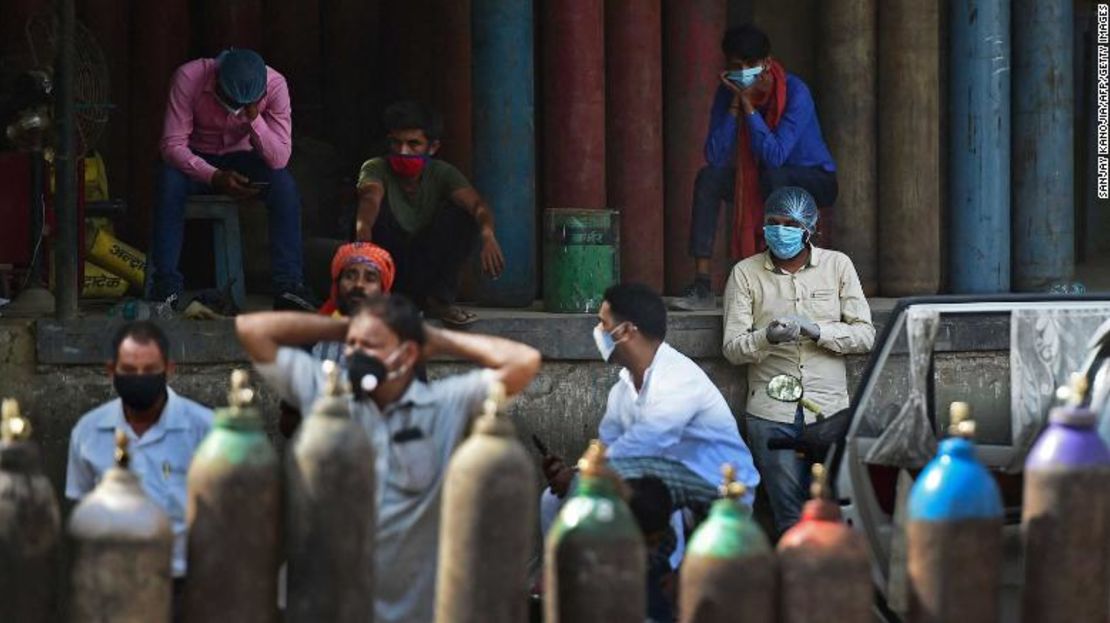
column 355, row 253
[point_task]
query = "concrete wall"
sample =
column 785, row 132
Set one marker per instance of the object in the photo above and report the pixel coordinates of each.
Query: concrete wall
column 562, row 406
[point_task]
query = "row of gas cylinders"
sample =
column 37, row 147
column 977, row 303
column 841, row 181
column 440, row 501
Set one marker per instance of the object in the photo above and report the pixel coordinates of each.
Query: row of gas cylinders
column 243, row 522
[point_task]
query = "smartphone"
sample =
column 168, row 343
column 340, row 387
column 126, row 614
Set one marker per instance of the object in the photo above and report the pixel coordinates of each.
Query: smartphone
column 259, row 185
column 539, row 445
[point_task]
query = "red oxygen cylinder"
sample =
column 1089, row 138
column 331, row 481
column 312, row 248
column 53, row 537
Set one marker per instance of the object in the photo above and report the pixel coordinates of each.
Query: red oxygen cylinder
column 824, row 565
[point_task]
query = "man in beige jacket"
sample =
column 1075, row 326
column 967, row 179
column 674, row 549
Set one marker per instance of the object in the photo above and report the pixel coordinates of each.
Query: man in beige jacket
column 794, row 309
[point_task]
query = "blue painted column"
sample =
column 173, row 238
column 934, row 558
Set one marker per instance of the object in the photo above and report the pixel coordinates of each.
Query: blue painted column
column 505, row 143
column 979, row 146
column 1044, row 159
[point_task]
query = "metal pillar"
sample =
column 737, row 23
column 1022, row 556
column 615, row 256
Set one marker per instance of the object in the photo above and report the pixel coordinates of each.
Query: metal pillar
column 504, row 142
column 352, row 106
column 159, row 44
column 979, row 146
column 574, row 104
column 65, row 166
column 909, row 147
column 692, row 58
column 634, row 137
column 230, row 23
column 847, row 101
column 292, row 45
column 452, row 90
column 1044, row 157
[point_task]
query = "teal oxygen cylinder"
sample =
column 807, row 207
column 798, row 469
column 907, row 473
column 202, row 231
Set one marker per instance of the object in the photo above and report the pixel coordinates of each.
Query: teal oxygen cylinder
column 954, row 533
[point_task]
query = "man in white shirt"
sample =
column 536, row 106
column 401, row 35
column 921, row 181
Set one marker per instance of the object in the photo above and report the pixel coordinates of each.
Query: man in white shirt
column 795, row 309
column 664, row 418
column 162, row 427
column 413, row 426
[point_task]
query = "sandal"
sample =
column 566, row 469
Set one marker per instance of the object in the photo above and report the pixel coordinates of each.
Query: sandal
column 452, row 315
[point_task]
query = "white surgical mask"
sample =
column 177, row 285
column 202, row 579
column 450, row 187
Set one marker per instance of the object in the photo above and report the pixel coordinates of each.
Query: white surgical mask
column 605, row 343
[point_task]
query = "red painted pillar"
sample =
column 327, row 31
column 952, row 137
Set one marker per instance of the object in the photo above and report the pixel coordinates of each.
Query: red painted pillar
column 292, row 46
column 110, row 23
column 428, row 44
column 451, row 82
column 159, row 44
column 692, row 60
column 574, row 103
column 634, row 137
column 351, row 61
column 229, row 23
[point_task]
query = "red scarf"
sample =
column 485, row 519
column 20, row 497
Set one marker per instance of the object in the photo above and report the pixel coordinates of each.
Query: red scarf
column 747, row 224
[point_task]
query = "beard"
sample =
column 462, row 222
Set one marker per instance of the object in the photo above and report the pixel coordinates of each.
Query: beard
column 348, row 302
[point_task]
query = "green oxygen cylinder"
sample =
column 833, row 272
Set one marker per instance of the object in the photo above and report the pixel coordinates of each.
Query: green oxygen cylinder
column 329, row 512
column 729, row 571
column 595, row 564
column 234, row 517
column 29, row 524
column 486, row 531
column 123, row 551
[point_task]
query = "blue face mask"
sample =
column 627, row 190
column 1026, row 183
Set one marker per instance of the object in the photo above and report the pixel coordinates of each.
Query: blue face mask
column 784, row 241
column 745, row 78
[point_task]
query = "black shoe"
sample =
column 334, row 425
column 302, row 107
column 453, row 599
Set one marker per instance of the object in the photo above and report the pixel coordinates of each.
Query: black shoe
column 695, row 297
column 299, row 298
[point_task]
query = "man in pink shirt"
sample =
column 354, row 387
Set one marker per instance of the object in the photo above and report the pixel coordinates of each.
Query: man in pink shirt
column 228, row 130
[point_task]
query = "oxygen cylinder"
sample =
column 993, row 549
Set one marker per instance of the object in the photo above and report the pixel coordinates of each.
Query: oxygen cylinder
column 487, row 524
column 1066, row 518
column 29, row 524
column 123, row 551
column 595, row 560
column 728, row 573
column 825, row 568
column 330, row 513
column 954, row 533
column 234, row 517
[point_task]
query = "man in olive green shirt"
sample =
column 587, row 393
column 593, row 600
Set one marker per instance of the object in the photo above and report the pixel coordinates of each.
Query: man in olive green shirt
column 425, row 213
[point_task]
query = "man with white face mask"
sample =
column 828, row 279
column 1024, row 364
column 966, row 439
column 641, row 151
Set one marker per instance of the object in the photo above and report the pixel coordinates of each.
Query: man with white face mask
column 795, row 309
column 665, row 418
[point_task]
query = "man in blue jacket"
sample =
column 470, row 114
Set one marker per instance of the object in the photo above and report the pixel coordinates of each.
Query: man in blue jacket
column 763, row 134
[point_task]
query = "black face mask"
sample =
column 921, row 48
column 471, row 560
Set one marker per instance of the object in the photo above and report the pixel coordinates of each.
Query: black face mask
column 140, row 391
column 366, row 373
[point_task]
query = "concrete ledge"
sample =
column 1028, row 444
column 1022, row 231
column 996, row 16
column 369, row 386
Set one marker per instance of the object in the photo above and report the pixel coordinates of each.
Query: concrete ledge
column 563, row 337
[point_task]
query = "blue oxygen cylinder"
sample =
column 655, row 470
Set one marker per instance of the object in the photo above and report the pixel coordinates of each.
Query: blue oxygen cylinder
column 954, row 533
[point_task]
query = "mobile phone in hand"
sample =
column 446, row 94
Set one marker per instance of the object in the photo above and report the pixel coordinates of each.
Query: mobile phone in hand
column 540, row 446
column 259, row 185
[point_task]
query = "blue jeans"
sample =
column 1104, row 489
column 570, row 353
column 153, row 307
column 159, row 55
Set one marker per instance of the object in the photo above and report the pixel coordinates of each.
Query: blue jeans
column 715, row 185
column 785, row 475
column 283, row 204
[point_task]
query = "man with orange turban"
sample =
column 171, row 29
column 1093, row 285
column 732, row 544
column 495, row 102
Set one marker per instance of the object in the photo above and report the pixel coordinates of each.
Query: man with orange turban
column 358, row 270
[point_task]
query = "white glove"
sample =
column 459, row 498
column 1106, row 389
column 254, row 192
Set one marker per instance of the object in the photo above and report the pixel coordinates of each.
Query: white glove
column 783, row 330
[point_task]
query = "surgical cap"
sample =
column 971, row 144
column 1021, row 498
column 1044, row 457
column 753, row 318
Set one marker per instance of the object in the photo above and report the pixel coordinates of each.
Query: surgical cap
column 793, row 203
column 242, row 75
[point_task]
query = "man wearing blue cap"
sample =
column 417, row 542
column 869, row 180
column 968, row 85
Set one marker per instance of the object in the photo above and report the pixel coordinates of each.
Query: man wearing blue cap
column 228, row 130
column 796, row 310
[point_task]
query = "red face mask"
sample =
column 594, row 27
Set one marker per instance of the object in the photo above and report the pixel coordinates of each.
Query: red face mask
column 406, row 166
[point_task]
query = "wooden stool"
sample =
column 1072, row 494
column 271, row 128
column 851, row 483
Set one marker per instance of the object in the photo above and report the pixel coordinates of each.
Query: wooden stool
column 223, row 211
